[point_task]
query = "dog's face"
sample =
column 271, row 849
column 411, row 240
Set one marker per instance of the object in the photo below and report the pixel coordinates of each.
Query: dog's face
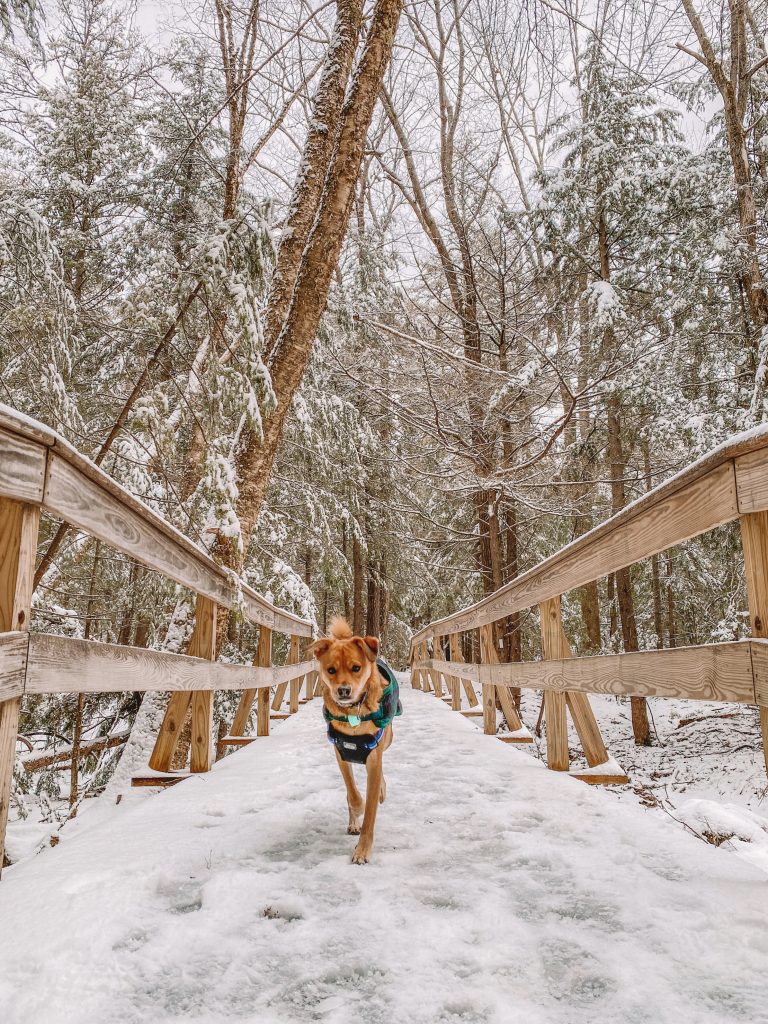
column 346, row 666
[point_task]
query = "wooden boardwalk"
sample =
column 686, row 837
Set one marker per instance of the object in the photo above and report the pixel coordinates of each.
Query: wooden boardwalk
column 499, row 893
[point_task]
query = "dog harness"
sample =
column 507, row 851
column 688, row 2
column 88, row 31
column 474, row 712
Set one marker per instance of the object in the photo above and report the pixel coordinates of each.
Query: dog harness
column 357, row 748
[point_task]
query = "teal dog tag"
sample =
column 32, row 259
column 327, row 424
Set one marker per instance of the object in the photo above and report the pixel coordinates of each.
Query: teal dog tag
column 353, row 720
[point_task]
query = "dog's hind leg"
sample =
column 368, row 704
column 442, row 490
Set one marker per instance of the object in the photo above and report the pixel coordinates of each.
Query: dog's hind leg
column 383, row 793
column 354, row 799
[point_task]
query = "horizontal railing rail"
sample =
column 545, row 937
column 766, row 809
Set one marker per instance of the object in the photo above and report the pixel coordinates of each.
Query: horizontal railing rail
column 39, row 663
column 729, row 483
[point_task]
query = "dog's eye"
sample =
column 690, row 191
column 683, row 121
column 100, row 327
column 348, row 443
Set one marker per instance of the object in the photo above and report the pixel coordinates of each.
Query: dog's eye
column 331, row 671
column 355, row 668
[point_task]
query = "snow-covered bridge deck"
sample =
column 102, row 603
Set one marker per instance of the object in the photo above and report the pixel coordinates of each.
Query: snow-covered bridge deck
column 499, row 892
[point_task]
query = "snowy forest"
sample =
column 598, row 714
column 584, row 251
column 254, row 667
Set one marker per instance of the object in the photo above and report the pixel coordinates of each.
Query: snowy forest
column 381, row 307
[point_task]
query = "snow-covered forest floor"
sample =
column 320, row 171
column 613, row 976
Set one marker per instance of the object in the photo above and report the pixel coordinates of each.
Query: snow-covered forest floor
column 499, row 892
column 704, row 770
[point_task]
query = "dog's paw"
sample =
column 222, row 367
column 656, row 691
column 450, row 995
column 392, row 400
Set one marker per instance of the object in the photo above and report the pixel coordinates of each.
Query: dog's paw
column 362, row 853
column 353, row 830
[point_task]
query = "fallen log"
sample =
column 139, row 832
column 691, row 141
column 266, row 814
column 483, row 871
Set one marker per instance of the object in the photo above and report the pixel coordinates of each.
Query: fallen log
column 34, row 764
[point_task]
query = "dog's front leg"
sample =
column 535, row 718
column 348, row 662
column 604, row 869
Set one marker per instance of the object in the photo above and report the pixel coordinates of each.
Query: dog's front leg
column 374, row 767
column 354, row 799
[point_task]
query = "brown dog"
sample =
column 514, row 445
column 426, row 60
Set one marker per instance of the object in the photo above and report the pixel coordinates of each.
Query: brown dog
column 352, row 689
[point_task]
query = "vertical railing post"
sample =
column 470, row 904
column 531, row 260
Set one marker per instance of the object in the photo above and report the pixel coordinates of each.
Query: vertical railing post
column 293, row 659
column 456, row 655
column 754, row 540
column 263, row 659
column 553, row 647
column 487, row 657
column 437, row 655
column 19, row 525
column 202, row 644
column 453, row 682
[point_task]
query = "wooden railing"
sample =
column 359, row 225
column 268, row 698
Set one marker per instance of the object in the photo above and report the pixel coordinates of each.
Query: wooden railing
column 730, row 482
column 40, row 470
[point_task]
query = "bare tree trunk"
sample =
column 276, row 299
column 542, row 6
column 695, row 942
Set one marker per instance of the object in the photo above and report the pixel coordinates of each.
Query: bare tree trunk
column 318, row 151
column 293, row 347
column 357, row 586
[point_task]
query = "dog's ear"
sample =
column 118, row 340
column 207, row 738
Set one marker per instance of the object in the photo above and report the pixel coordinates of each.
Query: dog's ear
column 369, row 645
column 319, row 647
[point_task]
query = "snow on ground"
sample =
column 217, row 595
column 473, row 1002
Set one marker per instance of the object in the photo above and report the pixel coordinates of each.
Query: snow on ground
column 705, row 768
column 499, row 892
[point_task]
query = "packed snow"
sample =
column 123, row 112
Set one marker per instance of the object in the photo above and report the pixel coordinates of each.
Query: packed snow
column 499, row 892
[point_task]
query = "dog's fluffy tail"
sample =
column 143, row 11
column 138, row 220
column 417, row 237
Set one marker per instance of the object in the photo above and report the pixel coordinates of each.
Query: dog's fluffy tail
column 340, row 629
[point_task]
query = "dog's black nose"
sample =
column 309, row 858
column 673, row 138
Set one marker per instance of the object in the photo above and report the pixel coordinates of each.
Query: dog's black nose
column 344, row 692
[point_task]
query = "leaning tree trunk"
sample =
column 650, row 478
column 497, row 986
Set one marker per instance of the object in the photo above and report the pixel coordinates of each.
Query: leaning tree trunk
column 319, row 258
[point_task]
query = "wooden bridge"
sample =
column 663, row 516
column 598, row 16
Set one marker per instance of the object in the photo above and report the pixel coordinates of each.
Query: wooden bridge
column 39, row 470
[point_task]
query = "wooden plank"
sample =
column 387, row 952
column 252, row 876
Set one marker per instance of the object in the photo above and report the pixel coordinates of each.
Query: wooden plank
column 170, row 731
column 489, row 655
column 167, row 779
column 554, row 645
column 263, row 659
column 13, row 664
column 287, row 674
column 22, row 469
column 466, row 669
column 262, row 713
column 712, row 672
column 558, row 757
column 752, row 481
column 202, row 644
column 60, row 664
column 201, row 749
column 457, row 658
column 236, row 741
column 489, row 692
column 294, row 655
column 754, row 540
column 18, row 544
column 759, row 651
column 586, row 726
column 601, row 780
column 682, row 508
column 509, row 710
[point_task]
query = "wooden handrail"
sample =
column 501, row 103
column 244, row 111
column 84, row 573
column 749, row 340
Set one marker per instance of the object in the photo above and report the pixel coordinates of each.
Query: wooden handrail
column 728, row 482
column 36, row 663
column 39, row 467
column 735, row 672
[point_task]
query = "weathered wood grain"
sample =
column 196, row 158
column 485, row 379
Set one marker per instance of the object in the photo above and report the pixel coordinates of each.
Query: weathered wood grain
column 18, row 543
column 554, row 646
column 759, row 652
column 60, row 664
column 22, row 468
column 19, row 524
column 13, row 663
column 754, row 540
column 263, row 659
column 676, row 511
column 715, row 672
column 752, row 481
